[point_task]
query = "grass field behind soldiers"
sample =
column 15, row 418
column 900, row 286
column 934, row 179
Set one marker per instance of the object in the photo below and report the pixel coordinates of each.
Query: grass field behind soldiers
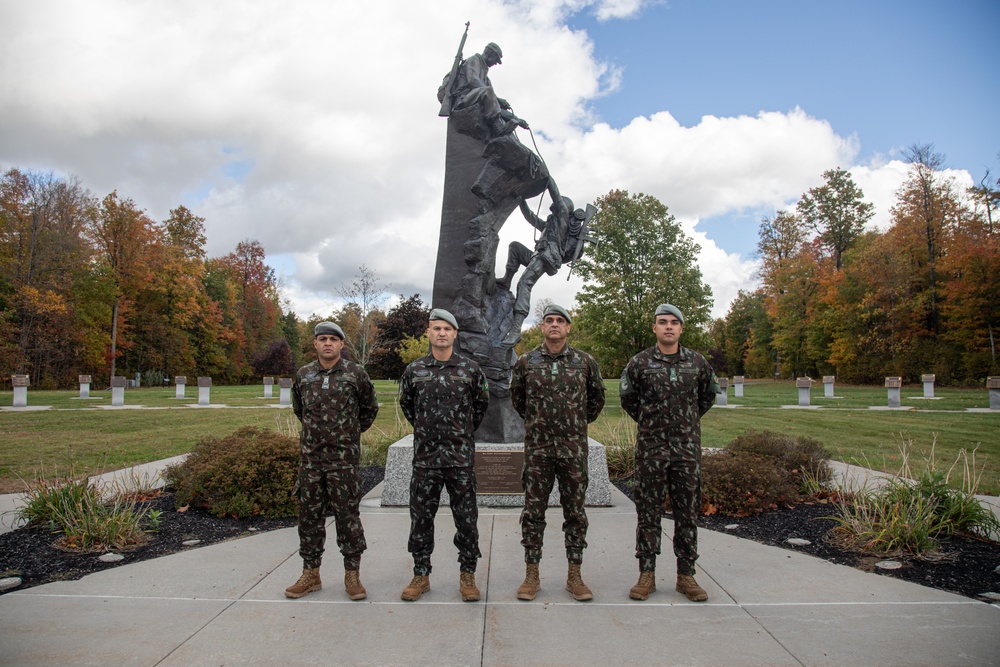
column 75, row 437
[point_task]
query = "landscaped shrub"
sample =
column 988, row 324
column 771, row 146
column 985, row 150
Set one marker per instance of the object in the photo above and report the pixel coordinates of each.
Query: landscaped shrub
column 249, row 472
column 805, row 456
column 744, row 483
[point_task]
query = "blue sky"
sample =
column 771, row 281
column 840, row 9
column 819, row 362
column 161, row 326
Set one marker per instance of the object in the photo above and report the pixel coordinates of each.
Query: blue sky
column 894, row 73
column 890, row 73
column 312, row 126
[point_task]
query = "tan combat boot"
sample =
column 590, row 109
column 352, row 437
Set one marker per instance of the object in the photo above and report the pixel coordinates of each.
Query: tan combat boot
column 645, row 586
column 352, row 582
column 529, row 589
column 418, row 586
column 467, row 587
column 689, row 587
column 308, row 583
column 575, row 585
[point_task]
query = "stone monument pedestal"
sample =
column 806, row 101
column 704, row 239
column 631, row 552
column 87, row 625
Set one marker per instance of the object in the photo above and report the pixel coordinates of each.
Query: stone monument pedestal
column 722, row 398
column 285, row 391
column 20, row 383
column 118, row 383
column 893, row 385
column 204, row 391
column 993, row 385
column 928, row 380
column 399, row 466
column 803, row 384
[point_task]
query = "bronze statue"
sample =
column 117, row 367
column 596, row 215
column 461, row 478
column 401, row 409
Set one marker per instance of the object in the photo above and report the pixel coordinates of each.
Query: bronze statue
column 488, row 174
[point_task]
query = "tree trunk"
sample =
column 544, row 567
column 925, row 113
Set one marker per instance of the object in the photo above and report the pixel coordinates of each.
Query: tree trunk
column 114, row 337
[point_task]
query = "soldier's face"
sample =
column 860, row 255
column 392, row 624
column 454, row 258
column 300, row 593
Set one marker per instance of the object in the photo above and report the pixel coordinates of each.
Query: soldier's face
column 668, row 330
column 555, row 328
column 441, row 334
column 328, row 348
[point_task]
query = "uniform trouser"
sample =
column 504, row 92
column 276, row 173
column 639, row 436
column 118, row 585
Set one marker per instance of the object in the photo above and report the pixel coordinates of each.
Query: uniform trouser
column 485, row 98
column 541, row 469
column 324, row 492
column 518, row 255
column 656, row 477
column 425, row 496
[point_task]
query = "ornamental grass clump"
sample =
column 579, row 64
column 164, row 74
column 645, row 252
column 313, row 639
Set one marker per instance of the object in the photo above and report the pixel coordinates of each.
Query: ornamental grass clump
column 903, row 516
column 887, row 522
column 620, row 449
column 251, row 472
column 88, row 517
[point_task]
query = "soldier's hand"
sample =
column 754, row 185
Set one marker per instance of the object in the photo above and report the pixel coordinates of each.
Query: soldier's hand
column 523, row 123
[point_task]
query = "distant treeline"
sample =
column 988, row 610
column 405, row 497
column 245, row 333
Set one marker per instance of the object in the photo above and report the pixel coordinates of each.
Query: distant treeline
column 94, row 286
column 923, row 296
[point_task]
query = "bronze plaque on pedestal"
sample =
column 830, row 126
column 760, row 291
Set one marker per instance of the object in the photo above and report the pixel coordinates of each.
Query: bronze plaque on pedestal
column 498, row 471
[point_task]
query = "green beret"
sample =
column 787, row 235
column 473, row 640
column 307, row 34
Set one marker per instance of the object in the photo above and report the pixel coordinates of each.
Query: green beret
column 329, row 329
column 667, row 309
column 553, row 309
column 444, row 315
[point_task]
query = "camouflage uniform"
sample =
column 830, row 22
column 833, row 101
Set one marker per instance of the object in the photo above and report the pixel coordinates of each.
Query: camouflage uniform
column 445, row 401
column 557, row 395
column 335, row 406
column 667, row 396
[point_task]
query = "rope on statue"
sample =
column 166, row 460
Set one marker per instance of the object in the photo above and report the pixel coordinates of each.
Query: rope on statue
column 542, row 198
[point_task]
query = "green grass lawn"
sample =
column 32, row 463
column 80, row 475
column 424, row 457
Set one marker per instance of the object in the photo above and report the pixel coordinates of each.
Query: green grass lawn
column 76, row 435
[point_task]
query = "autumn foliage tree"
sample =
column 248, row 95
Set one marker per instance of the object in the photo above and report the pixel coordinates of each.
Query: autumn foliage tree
column 120, row 233
column 836, row 211
column 922, row 296
column 406, row 320
column 42, row 257
column 98, row 287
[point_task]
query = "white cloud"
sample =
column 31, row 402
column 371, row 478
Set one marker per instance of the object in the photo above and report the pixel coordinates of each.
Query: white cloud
column 879, row 183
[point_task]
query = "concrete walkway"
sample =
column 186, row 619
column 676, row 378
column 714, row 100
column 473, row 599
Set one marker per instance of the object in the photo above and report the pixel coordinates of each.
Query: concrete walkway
column 224, row 605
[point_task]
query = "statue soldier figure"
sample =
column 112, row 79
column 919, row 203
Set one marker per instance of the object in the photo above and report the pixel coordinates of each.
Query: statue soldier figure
column 563, row 235
column 471, row 87
column 489, row 174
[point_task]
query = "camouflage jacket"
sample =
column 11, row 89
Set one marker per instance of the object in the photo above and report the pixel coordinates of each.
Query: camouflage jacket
column 667, row 396
column 445, row 401
column 335, row 407
column 557, row 395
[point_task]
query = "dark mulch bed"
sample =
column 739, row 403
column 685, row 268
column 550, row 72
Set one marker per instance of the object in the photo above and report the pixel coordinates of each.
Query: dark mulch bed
column 966, row 566
column 28, row 552
column 970, row 566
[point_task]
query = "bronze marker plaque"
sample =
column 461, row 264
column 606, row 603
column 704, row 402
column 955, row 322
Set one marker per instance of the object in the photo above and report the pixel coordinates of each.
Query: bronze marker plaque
column 498, row 471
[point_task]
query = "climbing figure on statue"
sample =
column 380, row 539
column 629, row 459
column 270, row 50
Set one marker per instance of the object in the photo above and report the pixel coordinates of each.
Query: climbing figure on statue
column 563, row 234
